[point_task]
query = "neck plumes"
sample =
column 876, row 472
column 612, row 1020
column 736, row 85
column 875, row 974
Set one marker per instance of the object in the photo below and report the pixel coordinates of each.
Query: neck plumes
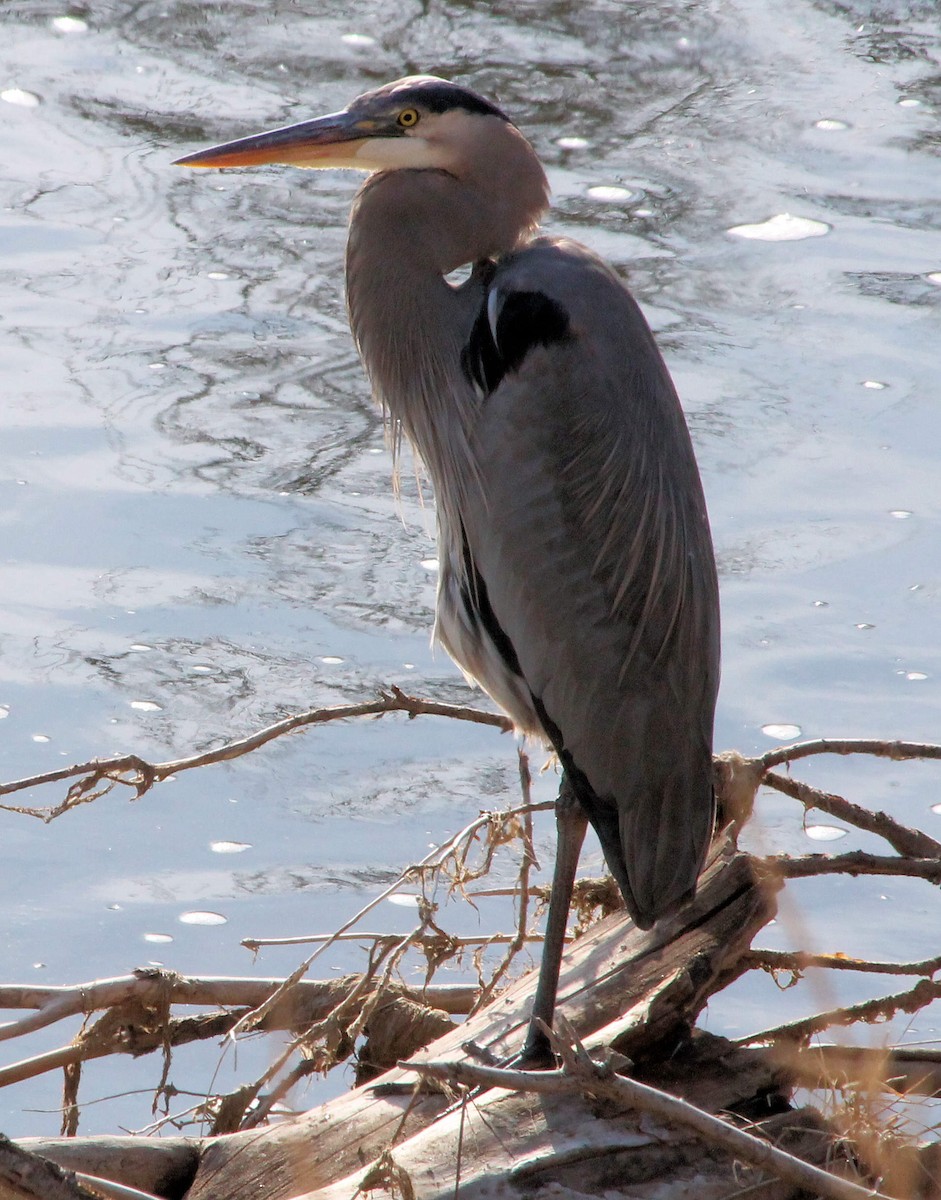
column 408, row 229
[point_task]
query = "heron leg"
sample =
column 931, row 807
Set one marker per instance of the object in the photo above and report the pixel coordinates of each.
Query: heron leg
column 571, row 824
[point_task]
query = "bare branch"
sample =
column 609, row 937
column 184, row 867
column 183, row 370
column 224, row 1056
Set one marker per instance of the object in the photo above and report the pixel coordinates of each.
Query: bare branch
column 99, row 775
column 798, row 961
column 855, row 862
column 311, row 1001
column 898, row 751
column 24, row 1175
column 428, row 941
column 326, row 1019
column 52, row 1060
column 907, row 841
column 869, row 1011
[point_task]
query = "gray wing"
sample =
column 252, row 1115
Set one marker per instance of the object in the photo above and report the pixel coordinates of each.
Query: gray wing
column 591, row 553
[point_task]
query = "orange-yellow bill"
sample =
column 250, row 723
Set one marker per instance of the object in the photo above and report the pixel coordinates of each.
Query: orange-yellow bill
column 331, row 141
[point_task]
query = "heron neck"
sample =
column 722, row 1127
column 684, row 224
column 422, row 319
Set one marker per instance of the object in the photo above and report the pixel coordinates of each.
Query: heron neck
column 407, row 229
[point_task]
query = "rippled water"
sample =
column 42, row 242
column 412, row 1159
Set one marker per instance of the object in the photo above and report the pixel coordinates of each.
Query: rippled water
column 199, row 532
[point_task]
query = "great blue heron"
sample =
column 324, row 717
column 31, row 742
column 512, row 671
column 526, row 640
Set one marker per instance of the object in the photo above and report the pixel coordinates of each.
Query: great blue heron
column 576, row 582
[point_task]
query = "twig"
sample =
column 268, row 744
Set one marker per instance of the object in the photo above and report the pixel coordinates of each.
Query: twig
column 798, row 961
column 900, row 1068
column 434, row 941
column 335, row 1023
column 899, row 751
column 601, row 1081
column 527, row 862
column 107, row 1189
column 100, row 775
column 509, row 893
column 911, row 842
column 855, row 862
column 436, row 856
column 426, row 940
column 924, row 992
column 265, row 1103
column 432, row 860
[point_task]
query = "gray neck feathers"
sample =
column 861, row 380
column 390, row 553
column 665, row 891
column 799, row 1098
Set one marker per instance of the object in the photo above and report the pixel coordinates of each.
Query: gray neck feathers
column 407, row 230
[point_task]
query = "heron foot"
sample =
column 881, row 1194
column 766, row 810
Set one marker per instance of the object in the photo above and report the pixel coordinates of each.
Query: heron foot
column 537, row 1053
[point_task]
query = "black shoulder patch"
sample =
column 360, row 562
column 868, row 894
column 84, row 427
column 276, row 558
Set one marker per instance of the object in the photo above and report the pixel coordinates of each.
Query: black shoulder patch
column 524, row 320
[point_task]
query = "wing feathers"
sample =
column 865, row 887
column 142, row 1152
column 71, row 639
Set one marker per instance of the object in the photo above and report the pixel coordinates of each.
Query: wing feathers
column 592, row 546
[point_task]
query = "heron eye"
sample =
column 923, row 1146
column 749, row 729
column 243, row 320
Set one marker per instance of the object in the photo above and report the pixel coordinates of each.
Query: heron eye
column 407, row 118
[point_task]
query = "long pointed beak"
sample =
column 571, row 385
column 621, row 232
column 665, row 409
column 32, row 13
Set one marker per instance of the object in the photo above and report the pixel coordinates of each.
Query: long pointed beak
column 331, row 141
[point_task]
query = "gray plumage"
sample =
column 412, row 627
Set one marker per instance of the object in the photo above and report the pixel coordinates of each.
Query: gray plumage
column 577, row 582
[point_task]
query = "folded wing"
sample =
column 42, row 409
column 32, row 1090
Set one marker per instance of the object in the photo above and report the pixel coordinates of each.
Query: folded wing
column 589, row 558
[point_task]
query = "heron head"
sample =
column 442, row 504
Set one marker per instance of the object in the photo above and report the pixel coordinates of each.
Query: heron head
column 420, row 122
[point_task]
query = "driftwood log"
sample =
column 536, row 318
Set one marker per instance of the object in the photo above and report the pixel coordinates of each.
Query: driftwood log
column 638, row 992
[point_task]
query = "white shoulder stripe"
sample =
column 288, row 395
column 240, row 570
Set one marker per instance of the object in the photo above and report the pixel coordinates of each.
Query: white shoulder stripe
column 494, row 304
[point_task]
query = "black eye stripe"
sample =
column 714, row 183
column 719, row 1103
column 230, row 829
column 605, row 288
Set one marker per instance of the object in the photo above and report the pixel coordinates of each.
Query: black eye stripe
column 441, row 97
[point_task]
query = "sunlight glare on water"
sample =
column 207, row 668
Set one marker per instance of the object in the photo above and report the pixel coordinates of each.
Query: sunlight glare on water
column 70, row 24
column 20, row 97
column 782, row 228
column 610, row 192
column 825, row 833
column 781, row 733
column 202, row 918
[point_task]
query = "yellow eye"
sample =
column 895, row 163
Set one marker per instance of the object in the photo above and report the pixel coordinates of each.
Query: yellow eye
column 407, row 118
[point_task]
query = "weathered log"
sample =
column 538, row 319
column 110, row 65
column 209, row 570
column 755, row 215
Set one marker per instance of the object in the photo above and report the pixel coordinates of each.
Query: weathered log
column 162, row 1167
column 639, row 990
column 26, row 1176
column 516, row 1143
